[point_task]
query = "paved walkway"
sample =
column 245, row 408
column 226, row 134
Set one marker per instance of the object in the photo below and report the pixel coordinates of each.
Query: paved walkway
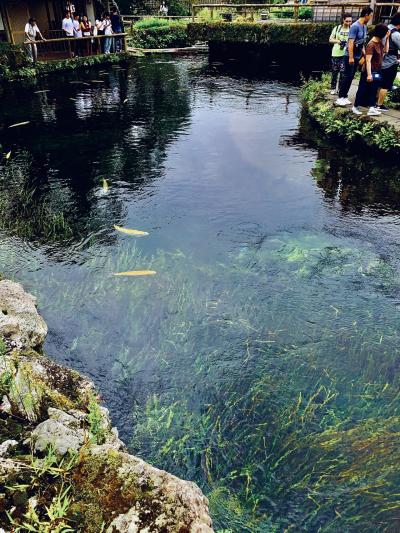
column 392, row 116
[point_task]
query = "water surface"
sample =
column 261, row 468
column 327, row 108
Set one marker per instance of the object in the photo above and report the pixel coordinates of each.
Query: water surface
column 262, row 359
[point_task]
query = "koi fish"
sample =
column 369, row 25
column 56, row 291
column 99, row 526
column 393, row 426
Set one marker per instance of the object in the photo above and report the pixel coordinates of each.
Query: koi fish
column 19, row 124
column 8, row 155
column 105, row 185
column 136, row 273
column 130, row 231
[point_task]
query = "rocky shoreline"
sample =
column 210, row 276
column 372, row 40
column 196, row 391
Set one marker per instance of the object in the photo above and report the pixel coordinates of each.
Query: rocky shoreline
column 63, row 467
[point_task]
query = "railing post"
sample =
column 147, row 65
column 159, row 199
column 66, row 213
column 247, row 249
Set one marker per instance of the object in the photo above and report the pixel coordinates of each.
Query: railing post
column 296, row 10
column 69, row 49
column 193, row 11
column 212, row 13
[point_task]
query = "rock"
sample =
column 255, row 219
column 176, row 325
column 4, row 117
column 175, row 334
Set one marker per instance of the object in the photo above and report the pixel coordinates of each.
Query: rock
column 61, row 430
column 146, row 499
column 5, row 405
column 113, row 491
column 7, row 446
column 19, row 319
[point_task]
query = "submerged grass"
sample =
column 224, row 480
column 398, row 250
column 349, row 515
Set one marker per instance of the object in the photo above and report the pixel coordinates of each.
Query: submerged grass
column 22, row 209
column 278, row 371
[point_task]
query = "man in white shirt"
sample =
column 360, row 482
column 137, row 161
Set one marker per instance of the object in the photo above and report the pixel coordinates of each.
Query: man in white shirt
column 68, row 28
column 31, row 31
column 68, row 25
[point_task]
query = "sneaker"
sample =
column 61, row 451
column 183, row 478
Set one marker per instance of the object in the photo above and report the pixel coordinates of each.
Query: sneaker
column 333, row 91
column 341, row 102
column 356, row 111
column 381, row 108
column 347, row 101
column 373, row 112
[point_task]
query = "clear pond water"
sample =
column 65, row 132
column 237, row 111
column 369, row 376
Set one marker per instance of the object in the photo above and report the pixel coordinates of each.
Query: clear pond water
column 262, row 359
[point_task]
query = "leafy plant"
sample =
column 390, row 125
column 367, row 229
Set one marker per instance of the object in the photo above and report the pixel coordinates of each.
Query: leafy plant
column 95, row 420
column 342, row 123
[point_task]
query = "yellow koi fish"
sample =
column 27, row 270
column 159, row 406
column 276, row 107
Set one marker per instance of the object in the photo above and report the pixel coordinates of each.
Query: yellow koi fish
column 130, row 231
column 136, row 273
column 8, row 155
column 105, row 185
column 20, row 124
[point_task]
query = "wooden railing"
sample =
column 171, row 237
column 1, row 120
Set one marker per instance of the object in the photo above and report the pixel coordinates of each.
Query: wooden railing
column 68, row 47
column 321, row 10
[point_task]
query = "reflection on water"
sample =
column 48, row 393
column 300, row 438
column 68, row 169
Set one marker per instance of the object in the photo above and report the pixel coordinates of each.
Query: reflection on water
column 262, row 360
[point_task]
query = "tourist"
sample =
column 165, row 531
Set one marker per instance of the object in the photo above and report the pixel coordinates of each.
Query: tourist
column 390, row 61
column 339, row 38
column 116, row 25
column 68, row 25
column 371, row 72
column 163, row 9
column 78, row 35
column 99, row 30
column 31, row 31
column 353, row 53
column 86, row 29
column 108, row 32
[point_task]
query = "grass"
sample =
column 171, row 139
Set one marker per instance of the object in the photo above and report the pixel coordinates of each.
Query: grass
column 22, row 209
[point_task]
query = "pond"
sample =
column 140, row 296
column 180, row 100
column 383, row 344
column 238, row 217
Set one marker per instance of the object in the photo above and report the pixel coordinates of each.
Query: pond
column 262, row 359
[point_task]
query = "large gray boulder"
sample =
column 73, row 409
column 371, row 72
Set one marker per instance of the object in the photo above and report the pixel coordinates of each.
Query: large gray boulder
column 19, row 320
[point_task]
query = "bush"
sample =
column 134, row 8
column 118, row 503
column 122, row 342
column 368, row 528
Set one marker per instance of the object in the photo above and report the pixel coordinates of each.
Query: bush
column 178, row 9
column 305, row 13
column 12, row 57
column 152, row 22
column 343, row 124
column 250, row 32
column 174, row 35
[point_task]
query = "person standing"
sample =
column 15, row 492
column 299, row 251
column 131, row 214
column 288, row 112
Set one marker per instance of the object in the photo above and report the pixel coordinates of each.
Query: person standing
column 107, row 32
column 78, row 35
column 116, row 25
column 338, row 38
column 371, row 73
column 353, row 53
column 31, row 31
column 390, row 61
column 99, row 30
column 86, row 29
column 68, row 25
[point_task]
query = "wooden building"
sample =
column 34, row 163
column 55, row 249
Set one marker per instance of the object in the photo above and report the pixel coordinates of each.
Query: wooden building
column 14, row 14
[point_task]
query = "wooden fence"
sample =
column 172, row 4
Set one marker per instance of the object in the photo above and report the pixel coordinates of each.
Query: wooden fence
column 319, row 11
column 68, row 47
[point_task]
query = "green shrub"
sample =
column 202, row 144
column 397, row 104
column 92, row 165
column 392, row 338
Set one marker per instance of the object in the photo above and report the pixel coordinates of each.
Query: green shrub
column 305, row 13
column 250, row 32
column 342, row 123
column 172, row 36
column 151, row 22
column 12, row 57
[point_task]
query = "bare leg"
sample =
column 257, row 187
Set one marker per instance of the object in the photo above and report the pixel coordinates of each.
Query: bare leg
column 382, row 96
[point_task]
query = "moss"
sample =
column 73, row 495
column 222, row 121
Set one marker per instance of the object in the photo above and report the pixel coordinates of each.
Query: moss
column 100, row 495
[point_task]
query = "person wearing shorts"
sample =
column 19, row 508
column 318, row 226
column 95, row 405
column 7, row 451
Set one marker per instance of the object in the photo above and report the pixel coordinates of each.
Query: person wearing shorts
column 390, row 62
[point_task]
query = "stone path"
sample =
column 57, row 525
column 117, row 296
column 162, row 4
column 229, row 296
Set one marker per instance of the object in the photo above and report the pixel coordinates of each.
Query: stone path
column 392, row 116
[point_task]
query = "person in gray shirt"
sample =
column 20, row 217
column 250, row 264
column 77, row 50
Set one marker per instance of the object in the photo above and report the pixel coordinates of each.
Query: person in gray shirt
column 390, row 61
column 354, row 51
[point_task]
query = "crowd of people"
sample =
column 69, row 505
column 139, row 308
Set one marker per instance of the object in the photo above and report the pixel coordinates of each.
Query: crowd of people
column 108, row 24
column 77, row 26
column 377, row 61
